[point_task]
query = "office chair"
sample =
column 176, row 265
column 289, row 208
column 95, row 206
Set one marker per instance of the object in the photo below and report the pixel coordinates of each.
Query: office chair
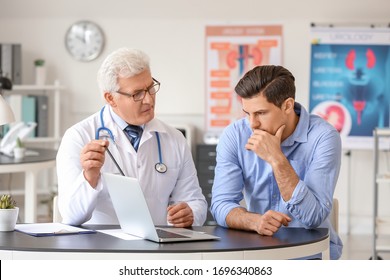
column 334, row 215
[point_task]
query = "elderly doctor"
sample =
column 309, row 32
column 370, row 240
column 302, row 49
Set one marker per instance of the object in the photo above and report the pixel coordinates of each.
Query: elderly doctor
column 159, row 157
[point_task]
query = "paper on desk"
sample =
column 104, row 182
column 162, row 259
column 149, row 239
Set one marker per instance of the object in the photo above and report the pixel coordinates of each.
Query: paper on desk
column 119, row 234
column 50, row 229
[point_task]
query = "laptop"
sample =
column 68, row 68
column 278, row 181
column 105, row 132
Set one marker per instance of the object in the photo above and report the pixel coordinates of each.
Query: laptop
column 134, row 215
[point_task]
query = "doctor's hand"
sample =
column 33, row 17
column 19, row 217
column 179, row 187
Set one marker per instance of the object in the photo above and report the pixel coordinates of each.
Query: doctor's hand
column 92, row 159
column 180, row 215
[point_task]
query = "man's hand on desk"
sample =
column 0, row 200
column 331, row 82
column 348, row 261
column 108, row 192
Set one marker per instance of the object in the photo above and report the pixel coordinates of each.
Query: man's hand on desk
column 266, row 224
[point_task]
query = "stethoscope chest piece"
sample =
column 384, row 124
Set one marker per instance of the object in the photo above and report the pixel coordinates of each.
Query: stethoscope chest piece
column 160, row 167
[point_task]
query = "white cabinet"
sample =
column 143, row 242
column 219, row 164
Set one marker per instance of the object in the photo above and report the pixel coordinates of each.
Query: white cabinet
column 381, row 224
column 54, row 94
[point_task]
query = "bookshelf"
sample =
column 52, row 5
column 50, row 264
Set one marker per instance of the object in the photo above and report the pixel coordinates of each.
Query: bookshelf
column 54, row 93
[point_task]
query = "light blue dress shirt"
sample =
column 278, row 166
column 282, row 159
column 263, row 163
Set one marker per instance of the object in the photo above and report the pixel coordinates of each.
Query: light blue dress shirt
column 313, row 150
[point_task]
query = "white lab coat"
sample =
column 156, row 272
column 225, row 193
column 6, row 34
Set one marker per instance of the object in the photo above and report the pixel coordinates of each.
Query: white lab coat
column 79, row 203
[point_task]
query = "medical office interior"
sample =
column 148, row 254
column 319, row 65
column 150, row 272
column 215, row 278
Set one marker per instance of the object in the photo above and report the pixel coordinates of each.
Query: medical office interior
column 172, row 33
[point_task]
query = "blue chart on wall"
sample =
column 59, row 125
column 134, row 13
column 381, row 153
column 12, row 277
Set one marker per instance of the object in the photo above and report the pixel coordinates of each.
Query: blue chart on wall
column 350, row 87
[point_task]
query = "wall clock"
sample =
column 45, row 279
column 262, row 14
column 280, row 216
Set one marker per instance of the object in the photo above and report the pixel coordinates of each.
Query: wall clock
column 84, row 40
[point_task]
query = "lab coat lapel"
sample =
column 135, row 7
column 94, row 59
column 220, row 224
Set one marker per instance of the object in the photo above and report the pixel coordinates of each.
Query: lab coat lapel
column 122, row 150
column 147, row 134
column 150, row 129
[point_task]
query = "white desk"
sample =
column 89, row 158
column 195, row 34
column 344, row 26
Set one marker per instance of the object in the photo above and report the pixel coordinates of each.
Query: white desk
column 30, row 165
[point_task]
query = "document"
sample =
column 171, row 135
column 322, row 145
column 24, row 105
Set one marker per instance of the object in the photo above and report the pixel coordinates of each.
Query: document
column 119, row 233
column 50, row 229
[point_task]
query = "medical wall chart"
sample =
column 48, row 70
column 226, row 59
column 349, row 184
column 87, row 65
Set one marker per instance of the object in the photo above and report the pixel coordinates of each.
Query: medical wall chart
column 350, row 80
column 231, row 51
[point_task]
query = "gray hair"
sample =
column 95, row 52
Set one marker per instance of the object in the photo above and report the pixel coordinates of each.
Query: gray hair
column 122, row 63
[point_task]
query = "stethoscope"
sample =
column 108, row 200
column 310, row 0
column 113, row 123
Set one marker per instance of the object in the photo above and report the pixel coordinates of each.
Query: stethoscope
column 160, row 166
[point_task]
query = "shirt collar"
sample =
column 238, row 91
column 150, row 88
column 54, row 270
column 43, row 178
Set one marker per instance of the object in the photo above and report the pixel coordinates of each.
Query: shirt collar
column 302, row 129
column 119, row 121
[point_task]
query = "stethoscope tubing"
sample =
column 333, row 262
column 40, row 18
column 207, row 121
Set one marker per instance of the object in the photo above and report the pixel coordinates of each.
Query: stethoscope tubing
column 115, row 162
column 159, row 148
column 160, row 166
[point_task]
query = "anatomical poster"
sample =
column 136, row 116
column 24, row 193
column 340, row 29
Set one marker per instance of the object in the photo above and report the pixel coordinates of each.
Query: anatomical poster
column 350, row 81
column 231, row 51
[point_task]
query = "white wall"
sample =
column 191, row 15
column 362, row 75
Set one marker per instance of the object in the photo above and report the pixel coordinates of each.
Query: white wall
column 172, row 33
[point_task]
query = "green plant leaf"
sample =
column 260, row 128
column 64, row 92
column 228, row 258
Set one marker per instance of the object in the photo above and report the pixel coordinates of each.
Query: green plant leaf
column 7, row 202
column 39, row 62
column 19, row 143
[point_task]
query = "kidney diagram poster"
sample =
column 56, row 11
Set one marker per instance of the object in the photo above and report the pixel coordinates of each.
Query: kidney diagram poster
column 350, row 81
column 231, row 51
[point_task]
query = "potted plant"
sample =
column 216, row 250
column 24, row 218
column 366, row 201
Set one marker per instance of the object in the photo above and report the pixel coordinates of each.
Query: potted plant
column 8, row 213
column 39, row 62
column 40, row 71
column 19, row 149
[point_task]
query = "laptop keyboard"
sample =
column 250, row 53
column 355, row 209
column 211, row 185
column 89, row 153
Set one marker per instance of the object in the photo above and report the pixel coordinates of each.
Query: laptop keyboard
column 166, row 234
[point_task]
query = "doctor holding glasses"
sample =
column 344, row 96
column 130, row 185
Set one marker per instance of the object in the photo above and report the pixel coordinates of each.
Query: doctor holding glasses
column 137, row 144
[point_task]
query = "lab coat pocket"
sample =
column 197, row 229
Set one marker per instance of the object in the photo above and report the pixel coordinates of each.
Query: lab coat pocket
column 165, row 183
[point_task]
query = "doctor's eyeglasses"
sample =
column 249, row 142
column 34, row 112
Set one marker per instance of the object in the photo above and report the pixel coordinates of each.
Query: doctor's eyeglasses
column 140, row 94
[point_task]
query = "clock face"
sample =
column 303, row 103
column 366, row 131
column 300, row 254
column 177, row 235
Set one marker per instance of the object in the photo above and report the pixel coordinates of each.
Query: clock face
column 84, row 40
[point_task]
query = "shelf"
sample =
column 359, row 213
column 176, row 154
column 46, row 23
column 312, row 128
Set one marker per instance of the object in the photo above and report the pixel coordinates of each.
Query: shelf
column 53, row 91
column 383, row 178
column 383, row 132
column 21, row 192
column 36, row 87
column 383, row 226
column 383, row 248
column 53, row 87
column 42, row 140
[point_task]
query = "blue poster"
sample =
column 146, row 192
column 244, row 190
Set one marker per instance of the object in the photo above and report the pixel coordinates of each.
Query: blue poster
column 350, row 86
